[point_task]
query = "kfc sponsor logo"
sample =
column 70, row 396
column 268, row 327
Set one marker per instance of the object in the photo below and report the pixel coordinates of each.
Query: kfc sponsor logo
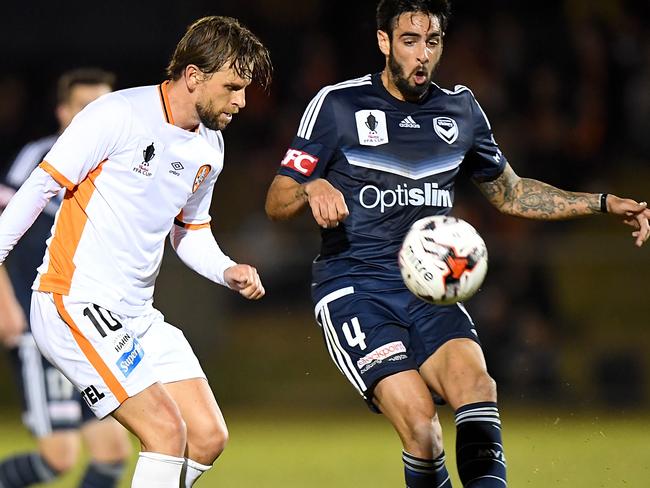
column 300, row 161
column 382, row 353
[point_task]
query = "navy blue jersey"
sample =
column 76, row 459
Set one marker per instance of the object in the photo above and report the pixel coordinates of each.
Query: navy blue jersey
column 395, row 162
column 28, row 254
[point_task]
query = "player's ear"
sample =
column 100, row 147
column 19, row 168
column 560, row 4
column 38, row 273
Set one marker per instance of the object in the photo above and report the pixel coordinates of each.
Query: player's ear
column 193, row 76
column 383, row 40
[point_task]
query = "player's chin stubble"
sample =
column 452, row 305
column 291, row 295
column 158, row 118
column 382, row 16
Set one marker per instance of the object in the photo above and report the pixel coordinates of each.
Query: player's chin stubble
column 409, row 92
column 209, row 118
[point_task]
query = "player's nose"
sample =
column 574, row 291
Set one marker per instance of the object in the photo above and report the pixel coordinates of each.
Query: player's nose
column 423, row 53
column 239, row 99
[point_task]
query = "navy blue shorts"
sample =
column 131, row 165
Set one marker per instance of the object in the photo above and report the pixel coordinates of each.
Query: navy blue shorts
column 50, row 402
column 372, row 334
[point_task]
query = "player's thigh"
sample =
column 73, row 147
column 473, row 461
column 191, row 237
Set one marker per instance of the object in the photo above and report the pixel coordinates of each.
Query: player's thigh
column 155, row 419
column 365, row 335
column 457, row 370
column 405, row 400
column 106, row 440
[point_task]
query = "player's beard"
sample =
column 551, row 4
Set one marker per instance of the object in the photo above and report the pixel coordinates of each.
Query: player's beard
column 410, row 92
column 210, row 118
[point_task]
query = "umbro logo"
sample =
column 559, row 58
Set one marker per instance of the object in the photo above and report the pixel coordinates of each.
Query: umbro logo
column 409, row 123
column 177, row 166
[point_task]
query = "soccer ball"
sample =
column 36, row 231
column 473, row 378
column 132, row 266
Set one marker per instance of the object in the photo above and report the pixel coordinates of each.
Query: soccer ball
column 443, row 260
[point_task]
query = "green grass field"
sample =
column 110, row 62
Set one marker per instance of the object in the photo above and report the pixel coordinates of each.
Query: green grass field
column 544, row 450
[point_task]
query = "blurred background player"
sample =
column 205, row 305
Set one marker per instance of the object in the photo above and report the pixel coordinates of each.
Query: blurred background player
column 372, row 155
column 53, row 409
column 140, row 165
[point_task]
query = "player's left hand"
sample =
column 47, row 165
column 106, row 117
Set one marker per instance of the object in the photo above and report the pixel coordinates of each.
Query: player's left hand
column 634, row 214
column 244, row 279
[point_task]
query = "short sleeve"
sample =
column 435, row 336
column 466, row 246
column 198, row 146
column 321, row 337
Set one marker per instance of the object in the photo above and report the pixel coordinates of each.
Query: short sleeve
column 485, row 160
column 196, row 213
column 315, row 142
column 100, row 129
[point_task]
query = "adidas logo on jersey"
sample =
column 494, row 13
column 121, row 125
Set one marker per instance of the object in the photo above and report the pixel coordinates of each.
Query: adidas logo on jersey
column 409, row 123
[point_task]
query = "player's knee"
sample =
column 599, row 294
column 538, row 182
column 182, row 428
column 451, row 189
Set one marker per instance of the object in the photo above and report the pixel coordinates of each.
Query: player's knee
column 118, row 448
column 107, row 441
column 61, row 460
column 167, row 434
column 465, row 386
column 206, row 446
column 486, row 388
column 423, row 434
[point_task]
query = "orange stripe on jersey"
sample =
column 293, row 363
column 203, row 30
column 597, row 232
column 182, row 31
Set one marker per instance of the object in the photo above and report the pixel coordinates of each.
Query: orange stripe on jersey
column 179, row 222
column 90, row 352
column 70, row 225
column 182, row 224
column 58, row 177
column 164, row 99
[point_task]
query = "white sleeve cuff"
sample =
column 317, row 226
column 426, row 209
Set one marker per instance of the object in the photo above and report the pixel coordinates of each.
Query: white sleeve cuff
column 199, row 250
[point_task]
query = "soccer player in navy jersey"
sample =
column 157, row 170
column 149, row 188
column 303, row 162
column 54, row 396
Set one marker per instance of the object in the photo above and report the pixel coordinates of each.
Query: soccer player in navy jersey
column 373, row 155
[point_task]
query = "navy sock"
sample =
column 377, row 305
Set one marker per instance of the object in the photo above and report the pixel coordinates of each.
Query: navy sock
column 479, row 449
column 102, row 475
column 25, row 470
column 425, row 473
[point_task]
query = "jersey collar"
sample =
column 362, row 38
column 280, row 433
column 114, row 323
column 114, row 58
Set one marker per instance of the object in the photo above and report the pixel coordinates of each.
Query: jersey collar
column 164, row 100
column 404, row 106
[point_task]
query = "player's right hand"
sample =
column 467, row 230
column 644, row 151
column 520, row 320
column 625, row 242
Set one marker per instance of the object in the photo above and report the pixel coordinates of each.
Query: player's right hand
column 327, row 203
column 636, row 215
column 12, row 325
column 244, row 279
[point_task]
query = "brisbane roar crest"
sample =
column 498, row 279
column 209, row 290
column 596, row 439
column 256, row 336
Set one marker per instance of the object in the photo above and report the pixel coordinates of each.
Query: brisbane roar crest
column 201, row 175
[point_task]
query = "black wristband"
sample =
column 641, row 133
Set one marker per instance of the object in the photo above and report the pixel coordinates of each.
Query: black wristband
column 603, row 202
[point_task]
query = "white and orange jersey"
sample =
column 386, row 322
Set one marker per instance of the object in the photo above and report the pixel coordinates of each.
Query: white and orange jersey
column 129, row 173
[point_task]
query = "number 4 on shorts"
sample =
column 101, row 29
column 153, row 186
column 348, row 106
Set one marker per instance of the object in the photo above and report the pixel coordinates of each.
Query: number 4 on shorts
column 359, row 338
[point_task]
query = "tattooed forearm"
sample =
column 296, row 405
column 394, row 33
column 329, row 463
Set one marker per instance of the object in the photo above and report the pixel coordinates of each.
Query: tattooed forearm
column 534, row 199
column 538, row 200
column 285, row 198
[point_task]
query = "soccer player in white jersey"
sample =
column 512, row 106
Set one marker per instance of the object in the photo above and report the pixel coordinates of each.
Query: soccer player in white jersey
column 52, row 409
column 138, row 165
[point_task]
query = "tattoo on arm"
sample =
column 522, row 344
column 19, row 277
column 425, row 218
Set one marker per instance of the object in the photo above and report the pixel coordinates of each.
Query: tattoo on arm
column 525, row 197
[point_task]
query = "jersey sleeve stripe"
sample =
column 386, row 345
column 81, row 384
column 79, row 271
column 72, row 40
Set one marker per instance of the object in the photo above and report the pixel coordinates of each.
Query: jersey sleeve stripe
column 68, row 230
column 164, row 100
column 308, row 120
column 27, row 159
column 91, row 353
column 58, row 177
column 182, row 224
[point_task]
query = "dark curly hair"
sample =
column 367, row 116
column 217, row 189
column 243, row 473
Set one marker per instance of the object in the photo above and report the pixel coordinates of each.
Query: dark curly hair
column 388, row 11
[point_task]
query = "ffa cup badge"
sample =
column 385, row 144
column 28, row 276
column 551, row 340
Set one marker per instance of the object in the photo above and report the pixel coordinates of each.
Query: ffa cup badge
column 371, row 127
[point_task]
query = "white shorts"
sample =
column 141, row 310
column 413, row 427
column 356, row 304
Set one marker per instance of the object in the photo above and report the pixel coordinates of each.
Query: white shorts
column 109, row 357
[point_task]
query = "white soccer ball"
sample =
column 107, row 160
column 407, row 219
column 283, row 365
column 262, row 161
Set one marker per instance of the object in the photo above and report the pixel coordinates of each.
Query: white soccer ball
column 443, row 260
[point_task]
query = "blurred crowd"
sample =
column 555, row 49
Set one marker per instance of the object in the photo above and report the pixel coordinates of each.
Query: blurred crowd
column 565, row 84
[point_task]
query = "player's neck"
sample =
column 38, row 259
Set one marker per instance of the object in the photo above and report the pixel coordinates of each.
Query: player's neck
column 390, row 86
column 182, row 105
